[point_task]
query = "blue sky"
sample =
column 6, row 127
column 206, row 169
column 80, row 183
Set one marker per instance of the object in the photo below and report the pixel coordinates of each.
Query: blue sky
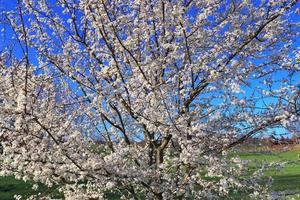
column 6, row 37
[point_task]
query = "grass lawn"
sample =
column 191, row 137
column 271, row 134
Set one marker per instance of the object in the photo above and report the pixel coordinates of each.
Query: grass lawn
column 286, row 179
column 9, row 187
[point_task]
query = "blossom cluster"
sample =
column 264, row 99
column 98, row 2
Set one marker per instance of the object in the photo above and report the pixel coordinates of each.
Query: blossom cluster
column 144, row 99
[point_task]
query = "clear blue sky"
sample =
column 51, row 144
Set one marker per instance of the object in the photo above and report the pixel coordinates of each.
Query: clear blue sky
column 6, row 37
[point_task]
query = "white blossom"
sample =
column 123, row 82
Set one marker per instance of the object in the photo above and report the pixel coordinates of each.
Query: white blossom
column 144, row 97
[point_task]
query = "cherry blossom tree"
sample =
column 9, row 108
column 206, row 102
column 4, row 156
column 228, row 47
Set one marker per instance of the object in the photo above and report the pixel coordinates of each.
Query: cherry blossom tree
column 144, row 99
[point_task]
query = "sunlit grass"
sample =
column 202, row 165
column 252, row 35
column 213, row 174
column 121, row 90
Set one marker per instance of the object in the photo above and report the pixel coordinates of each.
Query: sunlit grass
column 286, row 179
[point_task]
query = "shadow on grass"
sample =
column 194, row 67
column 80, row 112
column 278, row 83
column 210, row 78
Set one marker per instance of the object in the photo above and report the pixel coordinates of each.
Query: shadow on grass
column 9, row 187
column 286, row 182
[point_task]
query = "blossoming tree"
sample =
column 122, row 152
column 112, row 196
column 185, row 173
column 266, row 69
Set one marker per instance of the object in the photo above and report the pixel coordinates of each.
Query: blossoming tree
column 144, row 98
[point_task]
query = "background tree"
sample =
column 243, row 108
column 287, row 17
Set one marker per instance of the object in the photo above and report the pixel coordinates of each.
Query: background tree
column 166, row 86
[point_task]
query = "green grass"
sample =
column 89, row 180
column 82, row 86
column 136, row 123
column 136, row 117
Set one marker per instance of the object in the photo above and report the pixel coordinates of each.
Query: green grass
column 286, row 179
column 9, row 187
